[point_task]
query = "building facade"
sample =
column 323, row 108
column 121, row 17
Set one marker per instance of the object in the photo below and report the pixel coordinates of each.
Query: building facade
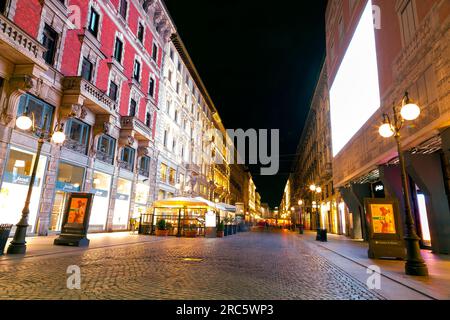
column 313, row 166
column 94, row 68
column 412, row 54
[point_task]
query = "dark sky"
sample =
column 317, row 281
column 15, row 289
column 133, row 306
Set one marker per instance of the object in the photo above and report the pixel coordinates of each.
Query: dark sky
column 259, row 61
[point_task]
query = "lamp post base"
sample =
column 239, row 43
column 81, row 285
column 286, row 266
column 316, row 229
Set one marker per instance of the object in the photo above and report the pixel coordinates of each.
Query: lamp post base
column 415, row 265
column 18, row 244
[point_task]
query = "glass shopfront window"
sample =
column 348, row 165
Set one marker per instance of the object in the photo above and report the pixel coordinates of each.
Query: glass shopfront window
column 122, row 205
column 70, row 179
column 14, row 188
column 101, row 190
column 142, row 194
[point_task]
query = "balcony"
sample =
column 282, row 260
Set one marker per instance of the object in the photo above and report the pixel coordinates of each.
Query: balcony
column 78, row 90
column 193, row 167
column 19, row 47
column 125, row 165
column 136, row 128
column 104, row 157
column 75, row 146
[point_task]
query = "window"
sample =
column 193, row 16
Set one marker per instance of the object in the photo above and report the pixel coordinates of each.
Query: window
column 113, row 90
column 172, row 175
column 94, row 22
column 171, row 54
column 175, row 116
column 148, row 119
column 123, row 8
column 170, row 76
column 144, row 166
column 118, row 50
column 165, row 138
column 163, row 172
column 174, row 145
column 140, row 34
column 49, row 41
column 151, row 88
column 127, row 158
column 178, row 87
column 38, row 108
column 77, row 135
column 137, row 71
column 408, row 22
column 106, row 148
column 3, row 6
column 133, row 106
column 179, row 66
column 155, row 52
column 87, row 69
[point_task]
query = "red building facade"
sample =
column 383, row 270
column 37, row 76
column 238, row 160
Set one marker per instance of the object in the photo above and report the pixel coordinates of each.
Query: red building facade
column 93, row 67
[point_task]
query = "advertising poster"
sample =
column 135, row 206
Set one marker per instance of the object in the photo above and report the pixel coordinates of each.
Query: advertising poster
column 383, row 219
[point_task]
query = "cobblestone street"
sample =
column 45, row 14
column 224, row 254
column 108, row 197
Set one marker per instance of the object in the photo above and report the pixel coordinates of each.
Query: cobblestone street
column 244, row 266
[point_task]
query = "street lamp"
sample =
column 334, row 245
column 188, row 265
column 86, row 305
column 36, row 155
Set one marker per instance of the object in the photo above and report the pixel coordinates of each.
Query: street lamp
column 415, row 265
column 315, row 191
column 300, row 217
column 57, row 136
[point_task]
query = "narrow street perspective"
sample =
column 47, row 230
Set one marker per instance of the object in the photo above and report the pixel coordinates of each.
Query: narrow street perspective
column 253, row 150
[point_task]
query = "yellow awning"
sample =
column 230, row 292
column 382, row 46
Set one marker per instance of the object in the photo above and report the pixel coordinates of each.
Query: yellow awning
column 180, row 202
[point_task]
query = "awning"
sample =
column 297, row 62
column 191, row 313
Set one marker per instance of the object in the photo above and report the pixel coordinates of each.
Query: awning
column 226, row 207
column 181, row 202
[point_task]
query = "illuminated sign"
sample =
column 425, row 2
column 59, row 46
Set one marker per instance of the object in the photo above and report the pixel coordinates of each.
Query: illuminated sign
column 210, row 219
column 355, row 92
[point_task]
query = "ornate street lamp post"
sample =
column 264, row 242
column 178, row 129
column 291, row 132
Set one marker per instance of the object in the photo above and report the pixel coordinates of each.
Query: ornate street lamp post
column 415, row 265
column 300, row 216
column 24, row 122
column 315, row 191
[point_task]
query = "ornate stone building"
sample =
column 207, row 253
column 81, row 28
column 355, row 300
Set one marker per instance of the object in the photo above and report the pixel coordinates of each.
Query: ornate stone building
column 413, row 54
column 92, row 67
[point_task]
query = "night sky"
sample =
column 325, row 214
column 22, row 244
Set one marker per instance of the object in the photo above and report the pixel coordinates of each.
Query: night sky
column 259, row 61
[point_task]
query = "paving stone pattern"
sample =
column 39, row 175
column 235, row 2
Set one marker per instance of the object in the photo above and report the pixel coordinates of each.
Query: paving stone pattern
column 257, row 266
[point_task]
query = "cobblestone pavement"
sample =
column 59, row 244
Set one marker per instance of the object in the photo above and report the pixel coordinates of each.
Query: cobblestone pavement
column 244, row 266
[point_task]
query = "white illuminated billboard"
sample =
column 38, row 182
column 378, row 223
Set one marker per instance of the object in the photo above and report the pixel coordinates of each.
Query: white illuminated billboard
column 355, row 93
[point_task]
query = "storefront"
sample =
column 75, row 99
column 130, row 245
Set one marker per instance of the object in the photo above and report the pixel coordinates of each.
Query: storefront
column 122, row 204
column 101, row 190
column 70, row 179
column 142, row 195
column 14, row 187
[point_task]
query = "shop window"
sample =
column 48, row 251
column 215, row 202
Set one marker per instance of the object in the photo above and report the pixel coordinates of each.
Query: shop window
column 113, row 90
column 172, row 175
column 94, row 22
column 77, row 136
column 87, row 69
column 101, row 188
column 163, row 172
column 70, row 179
column 144, row 166
column 37, row 109
column 49, row 41
column 106, row 148
column 127, row 158
column 15, row 182
column 118, row 50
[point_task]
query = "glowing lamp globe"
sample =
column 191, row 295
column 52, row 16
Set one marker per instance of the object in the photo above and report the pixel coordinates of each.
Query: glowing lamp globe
column 319, row 190
column 58, row 137
column 312, row 187
column 386, row 130
column 24, row 123
column 410, row 111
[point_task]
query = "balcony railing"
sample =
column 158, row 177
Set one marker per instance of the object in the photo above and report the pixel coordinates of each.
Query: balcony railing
column 144, row 172
column 126, row 165
column 132, row 123
column 75, row 146
column 96, row 98
column 105, row 157
column 19, row 40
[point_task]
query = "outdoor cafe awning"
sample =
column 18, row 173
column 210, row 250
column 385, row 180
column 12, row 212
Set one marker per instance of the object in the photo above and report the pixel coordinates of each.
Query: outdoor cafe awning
column 181, row 202
column 226, row 207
